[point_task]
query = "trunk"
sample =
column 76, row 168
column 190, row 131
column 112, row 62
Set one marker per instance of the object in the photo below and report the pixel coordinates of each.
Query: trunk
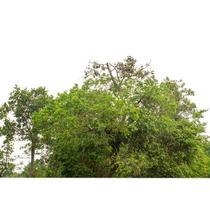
column 115, row 149
column 31, row 171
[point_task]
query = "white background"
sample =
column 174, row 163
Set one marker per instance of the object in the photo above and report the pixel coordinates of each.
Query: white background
column 105, row 189
column 49, row 43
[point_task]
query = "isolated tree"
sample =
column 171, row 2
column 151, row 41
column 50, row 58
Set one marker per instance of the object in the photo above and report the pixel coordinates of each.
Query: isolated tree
column 16, row 115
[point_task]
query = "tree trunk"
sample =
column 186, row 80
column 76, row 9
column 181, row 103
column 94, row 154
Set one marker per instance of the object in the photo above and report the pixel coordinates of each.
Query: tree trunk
column 31, row 171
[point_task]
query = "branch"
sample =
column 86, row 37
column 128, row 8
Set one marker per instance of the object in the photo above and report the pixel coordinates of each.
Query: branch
column 111, row 75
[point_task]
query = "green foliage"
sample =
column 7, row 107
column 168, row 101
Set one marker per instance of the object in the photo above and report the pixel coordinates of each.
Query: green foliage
column 6, row 160
column 40, row 169
column 166, row 137
column 121, row 122
column 82, row 129
column 6, row 165
column 16, row 115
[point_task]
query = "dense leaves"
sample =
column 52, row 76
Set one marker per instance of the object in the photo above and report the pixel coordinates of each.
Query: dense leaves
column 121, row 122
column 82, row 129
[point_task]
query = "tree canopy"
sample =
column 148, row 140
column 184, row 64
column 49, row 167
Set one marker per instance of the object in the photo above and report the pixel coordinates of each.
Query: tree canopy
column 121, row 122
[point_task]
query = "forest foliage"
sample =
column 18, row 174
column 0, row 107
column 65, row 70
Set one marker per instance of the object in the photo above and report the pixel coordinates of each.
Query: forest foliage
column 120, row 122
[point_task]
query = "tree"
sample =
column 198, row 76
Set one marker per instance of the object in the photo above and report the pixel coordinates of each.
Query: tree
column 167, row 140
column 16, row 115
column 123, row 122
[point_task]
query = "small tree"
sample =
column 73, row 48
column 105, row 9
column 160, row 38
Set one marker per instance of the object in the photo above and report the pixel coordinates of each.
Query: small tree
column 16, row 115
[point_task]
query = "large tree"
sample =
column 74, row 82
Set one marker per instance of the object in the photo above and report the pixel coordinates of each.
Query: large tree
column 124, row 122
